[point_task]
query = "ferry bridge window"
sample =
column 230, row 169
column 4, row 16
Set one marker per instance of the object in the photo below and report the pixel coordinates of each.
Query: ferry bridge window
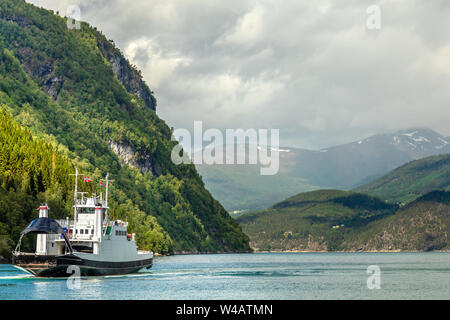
column 86, row 210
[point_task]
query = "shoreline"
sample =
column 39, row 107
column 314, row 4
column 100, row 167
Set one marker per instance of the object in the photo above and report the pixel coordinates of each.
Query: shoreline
column 302, row 251
column 348, row 251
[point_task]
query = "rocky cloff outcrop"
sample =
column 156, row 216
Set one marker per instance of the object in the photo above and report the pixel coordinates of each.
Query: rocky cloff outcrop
column 19, row 19
column 41, row 70
column 44, row 71
column 128, row 76
column 127, row 156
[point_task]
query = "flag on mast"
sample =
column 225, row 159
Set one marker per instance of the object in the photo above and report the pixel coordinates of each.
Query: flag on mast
column 86, row 179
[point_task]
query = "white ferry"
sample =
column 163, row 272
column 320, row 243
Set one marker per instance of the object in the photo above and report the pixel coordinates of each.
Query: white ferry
column 91, row 241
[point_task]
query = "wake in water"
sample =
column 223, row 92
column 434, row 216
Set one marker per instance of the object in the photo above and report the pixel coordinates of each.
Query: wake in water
column 25, row 276
column 18, row 277
column 134, row 275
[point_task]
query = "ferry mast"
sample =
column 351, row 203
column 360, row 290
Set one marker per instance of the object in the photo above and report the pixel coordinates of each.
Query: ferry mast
column 75, row 214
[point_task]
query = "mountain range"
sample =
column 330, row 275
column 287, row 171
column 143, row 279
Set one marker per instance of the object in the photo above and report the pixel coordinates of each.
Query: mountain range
column 342, row 167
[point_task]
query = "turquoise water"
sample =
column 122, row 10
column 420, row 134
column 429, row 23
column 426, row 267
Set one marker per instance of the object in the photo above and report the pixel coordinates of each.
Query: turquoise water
column 254, row 276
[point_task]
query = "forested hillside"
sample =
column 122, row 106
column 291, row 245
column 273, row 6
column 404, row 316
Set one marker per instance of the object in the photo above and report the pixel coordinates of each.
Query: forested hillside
column 410, row 181
column 312, row 221
column 334, row 220
column 75, row 90
column 423, row 224
column 31, row 172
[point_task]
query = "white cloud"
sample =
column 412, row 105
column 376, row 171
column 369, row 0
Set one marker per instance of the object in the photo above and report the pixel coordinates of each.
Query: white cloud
column 248, row 29
column 156, row 64
column 440, row 60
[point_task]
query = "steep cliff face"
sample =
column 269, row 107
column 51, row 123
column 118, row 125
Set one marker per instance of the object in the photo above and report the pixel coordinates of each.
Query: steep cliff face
column 128, row 156
column 41, row 70
column 127, row 75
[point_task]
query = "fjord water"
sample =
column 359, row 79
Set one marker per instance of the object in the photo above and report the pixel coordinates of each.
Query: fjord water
column 274, row 276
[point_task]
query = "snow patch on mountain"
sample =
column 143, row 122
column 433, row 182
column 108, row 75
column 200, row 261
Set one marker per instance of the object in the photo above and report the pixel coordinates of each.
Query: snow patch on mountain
column 412, row 145
column 445, row 142
column 420, row 139
column 409, row 134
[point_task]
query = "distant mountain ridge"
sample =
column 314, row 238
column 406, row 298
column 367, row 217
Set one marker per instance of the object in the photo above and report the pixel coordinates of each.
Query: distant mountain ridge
column 349, row 165
column 344, row 166
column 419, row 142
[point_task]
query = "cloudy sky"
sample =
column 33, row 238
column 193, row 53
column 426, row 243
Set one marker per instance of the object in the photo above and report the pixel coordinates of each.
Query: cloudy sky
column 313, row 69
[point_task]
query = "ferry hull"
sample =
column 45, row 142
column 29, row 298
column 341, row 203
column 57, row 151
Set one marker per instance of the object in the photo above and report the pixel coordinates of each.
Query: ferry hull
column 61, row 266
